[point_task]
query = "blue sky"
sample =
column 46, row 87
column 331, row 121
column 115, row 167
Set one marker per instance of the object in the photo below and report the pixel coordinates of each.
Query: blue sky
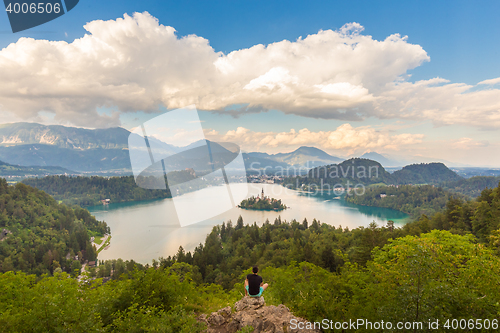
column 460, row 39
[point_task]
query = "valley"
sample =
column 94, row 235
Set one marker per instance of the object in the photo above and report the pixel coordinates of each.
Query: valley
column 249, row 167
column 98, row 225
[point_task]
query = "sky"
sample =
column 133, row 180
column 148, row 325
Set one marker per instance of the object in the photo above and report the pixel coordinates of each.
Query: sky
column 405, row 79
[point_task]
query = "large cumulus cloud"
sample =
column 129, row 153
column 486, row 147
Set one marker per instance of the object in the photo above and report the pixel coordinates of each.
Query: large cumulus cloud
column 135, row 63
column 345, row 138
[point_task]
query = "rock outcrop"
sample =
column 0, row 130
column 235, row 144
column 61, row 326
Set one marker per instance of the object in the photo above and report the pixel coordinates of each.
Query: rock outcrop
column 253, row 312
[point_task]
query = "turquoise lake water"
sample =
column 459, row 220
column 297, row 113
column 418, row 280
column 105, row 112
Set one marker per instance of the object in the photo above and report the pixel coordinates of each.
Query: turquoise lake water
column 147, row 230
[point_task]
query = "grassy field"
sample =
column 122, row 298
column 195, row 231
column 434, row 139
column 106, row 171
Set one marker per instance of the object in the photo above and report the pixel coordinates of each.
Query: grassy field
column 98, row 240
column 104, row 245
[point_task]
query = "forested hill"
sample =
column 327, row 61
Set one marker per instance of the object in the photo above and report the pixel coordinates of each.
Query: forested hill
column 471, row 187
column 424, row 173
column 367, row 172
column 413, row 200
column 348, row 173
column 354, row 170
column 41, row 235
column 89, row 191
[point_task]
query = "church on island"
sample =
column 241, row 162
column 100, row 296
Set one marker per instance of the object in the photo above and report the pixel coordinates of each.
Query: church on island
column 262, row 203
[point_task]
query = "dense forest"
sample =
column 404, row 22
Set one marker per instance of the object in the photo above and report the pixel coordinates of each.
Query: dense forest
column 422, row 199
column 471, row 187
column 439, row 267
column 147, row 300
column 413, row 200
column 89, row 191
column 41, row 236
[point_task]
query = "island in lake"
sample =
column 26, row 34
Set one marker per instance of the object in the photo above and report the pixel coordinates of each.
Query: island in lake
column 262, row 203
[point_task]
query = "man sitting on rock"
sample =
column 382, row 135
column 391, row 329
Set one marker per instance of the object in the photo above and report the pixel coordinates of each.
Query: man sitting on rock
column 253, row 284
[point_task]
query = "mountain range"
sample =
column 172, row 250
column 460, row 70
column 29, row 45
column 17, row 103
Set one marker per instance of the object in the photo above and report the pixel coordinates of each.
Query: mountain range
column 310, row 157
column 98, row 150
column 106, row 150
column 63, row 137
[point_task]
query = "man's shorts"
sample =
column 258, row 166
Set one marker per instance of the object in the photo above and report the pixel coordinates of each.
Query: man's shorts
column 258, row 295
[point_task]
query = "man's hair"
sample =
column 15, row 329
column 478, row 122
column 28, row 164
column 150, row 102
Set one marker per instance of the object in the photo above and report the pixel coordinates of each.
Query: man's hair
column 255, row 269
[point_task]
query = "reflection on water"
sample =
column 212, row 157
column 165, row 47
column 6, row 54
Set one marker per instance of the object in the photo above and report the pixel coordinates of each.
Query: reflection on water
column 147, row 230
column 377, row 213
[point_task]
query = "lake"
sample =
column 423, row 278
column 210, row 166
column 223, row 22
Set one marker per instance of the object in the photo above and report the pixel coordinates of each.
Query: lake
column 147, row 230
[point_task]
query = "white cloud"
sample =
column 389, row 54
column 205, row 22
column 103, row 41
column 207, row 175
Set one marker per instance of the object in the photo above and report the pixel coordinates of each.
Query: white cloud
column 469, row 143
column 131, row 63
column 348, row 137
column 277, row 77
column 442, row 102
column 135, row 63
column 491, row 81
column 345, row 138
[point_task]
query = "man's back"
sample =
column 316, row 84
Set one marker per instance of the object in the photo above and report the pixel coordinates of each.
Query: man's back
column 254, row 282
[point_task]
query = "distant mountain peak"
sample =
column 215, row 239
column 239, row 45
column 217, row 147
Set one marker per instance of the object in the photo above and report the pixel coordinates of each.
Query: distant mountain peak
column 384, row 160
column 306, row 156
column 306, row 149
column 372, row 153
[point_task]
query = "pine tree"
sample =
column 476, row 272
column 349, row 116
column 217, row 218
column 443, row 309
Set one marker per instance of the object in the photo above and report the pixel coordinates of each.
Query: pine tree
column 239, row 223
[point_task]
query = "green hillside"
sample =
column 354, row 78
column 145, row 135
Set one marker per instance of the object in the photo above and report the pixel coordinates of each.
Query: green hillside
column 9, row 170
column 471, row 186
column 89, row 191
column 348, row 173
column 43, row 235
column 413, row 200
column 424, row 173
